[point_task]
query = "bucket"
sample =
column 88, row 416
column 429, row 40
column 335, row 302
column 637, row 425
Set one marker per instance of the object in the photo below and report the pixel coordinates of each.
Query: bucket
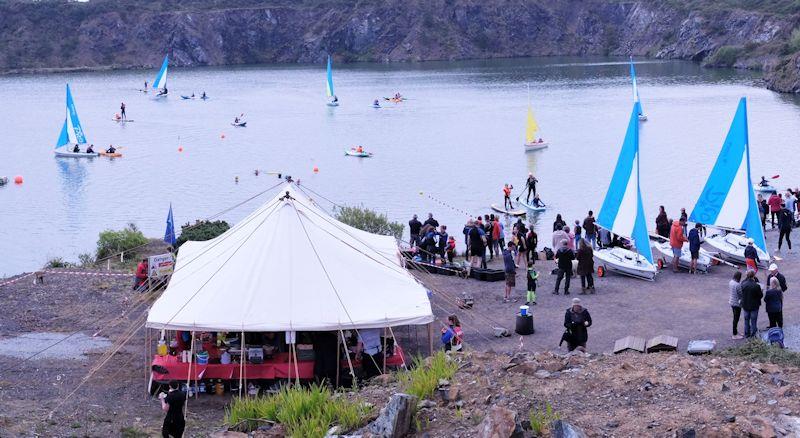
column 202, row 358
column 523, row 310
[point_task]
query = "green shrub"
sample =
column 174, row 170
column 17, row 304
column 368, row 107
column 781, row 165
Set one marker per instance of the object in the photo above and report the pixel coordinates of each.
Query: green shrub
column 370, row 221
column 422, row 379
column 725, row 56
column 542, row 418
column 113, row 242
column 57, row 262
column 757, row 350
column 86, row 260
column 304, row 412
column 202, row 230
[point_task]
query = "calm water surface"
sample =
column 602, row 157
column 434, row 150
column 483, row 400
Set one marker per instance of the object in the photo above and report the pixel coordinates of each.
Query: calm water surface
column 458, row 139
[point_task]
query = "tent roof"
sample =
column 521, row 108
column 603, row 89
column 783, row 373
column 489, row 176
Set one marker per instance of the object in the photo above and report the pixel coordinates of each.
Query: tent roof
column 290, row 266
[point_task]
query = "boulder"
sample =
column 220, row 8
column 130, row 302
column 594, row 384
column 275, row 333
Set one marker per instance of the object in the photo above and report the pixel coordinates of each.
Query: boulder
column 499, row 422
column 758, row 427
column 395, row 418
column 562, row 429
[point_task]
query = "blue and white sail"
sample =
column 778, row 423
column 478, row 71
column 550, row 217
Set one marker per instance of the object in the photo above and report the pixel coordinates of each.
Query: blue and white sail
column 622, row 212
column 636, row 99
column 728, row 200
column 330, row 92
column 71, row 130
column 161, row 78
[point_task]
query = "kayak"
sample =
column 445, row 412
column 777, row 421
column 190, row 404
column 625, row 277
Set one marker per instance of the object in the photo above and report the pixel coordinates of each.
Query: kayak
column 239, row 125
column 122, row 120
column 110, row 154
column 354, row 153
column 496, row 207
column 394, row 99
column 187, row 97
column 535, row 146
column 533, row 208
column 75, row 154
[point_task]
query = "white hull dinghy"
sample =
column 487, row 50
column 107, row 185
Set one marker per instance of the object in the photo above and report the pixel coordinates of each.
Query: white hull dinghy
column 160, row 84
column 532, row 140
column 71, row 133
column 685, row 260
column 71, row 154
column 764, row 189
column 731, row 247
column 535, row 146
column 625, row 262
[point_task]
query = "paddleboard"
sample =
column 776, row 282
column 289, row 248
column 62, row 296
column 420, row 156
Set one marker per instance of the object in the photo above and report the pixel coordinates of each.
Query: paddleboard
column 532, row 208
column 122, row 120
column 496, row 207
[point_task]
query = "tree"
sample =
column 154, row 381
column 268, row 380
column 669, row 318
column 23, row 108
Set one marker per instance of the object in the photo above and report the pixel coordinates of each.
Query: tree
column 370, row 221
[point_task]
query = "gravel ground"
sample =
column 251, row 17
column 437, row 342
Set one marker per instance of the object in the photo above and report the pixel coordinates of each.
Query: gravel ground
column 52, row 345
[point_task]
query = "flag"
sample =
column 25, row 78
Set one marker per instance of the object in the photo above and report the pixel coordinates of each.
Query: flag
column 169, row 234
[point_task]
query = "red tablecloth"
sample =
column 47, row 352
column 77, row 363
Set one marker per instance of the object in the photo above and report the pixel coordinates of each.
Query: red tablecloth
column 278, row 367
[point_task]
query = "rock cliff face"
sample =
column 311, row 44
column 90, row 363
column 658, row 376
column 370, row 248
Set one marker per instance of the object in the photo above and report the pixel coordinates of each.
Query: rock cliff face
column 124, row 34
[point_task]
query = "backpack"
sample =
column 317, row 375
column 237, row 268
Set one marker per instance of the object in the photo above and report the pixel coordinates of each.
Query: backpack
column 775, row 336
column 548, row 253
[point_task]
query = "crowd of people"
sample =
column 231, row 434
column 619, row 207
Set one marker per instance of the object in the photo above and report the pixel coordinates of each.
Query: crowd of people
column 782, row 210
column 746, row 296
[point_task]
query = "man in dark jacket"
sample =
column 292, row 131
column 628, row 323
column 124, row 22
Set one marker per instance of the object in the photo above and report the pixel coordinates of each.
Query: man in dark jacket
column 431, row 221
column 414, row 226
column 694, row 246
column 511, row 271
column 564, row 257
column 773, row 272
column 751, row 258
column 751, row 302
column 785, row 224
column 576, row 321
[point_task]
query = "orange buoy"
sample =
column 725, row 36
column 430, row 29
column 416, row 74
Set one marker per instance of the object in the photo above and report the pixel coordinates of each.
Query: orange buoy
column 18, row 179
column 180, row 148
column 222, row 136
column 316, row 169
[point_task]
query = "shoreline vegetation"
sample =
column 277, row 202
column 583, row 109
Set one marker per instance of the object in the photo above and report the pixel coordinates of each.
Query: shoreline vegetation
column 109, row 35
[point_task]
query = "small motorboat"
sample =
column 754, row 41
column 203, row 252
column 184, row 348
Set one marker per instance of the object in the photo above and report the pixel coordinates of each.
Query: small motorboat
column 731, row 247
column 625, row 262
column 685, row 260
column 536, row 145
column 500, row 209
column 353, row 152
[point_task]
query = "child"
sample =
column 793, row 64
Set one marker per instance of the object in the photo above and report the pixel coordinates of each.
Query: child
column 451, row 249
column 532, row 277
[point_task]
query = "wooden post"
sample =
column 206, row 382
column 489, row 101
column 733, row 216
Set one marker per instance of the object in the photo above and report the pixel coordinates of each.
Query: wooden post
column 430, row 338
column 349, row 362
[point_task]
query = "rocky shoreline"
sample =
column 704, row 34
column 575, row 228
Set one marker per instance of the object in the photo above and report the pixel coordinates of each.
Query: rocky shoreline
column 115, row 35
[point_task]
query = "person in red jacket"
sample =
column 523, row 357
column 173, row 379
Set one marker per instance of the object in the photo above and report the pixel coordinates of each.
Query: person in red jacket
column 774, row 203
column 141, row 275
column 676, row 239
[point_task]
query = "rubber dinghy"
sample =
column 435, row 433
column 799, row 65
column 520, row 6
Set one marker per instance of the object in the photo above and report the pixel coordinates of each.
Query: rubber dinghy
column 685, row 260
column 728, row 200
column 71, row 133
column 500, row 209
column 622, row 212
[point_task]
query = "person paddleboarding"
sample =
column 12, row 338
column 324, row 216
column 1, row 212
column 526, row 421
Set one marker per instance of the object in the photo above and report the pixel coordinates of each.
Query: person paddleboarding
column 507, row 197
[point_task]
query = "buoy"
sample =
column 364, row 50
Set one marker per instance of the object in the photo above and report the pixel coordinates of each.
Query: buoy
column 256, row 172
column 420, row 193
column 316, row 169
column 18, row 179
column 180, row 148
column 222, row 136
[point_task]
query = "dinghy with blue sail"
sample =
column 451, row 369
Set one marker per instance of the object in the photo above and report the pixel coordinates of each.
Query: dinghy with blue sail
column 160, row 84
column 72, row 134
column 622, row 212
column 334, row 101
column 728, row 200
column 641, row 115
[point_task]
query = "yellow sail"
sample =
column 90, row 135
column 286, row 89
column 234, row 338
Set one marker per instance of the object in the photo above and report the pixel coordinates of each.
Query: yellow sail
column 531, row 128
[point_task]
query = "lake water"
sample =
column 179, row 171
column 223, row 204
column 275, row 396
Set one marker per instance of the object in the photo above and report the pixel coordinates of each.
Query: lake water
column 458, row 138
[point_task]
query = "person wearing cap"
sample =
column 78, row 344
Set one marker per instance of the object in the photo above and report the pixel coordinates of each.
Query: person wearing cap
column 531, row 185
column 751, row 256
column 751, row 302
column 564, row 258
column 773, row 303
column 773, row 272
column 576, row 321
column 785, row 224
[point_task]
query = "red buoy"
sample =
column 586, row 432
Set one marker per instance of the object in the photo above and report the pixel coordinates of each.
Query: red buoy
column 18, row 179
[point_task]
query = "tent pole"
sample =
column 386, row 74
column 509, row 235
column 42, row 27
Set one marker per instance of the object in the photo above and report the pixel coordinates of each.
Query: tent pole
column 146, row 362
column 241, row 364
column 296, row 366
column 189, row 374
column 384, row 351
column 349, row 362
column 338, row 360
column 430, row 338
column 402, row 356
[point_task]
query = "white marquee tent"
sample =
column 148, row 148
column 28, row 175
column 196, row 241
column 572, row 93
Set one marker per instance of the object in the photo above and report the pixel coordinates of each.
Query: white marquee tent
column 289, row 266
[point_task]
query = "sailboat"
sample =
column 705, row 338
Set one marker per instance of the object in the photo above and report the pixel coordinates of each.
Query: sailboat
column 641, row 115
column 531, row 128
column 622, row 212
column 728, row 201
column 160, row 83
column 331, row 95
column 71, row 133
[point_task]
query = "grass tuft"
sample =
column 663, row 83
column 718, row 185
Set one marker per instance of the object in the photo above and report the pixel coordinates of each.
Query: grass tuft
column 422, row 379
column 757, row 350
column 541, row 418
column 304, row 412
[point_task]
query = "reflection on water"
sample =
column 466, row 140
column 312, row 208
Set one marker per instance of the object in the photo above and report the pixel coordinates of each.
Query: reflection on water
column 458, row 138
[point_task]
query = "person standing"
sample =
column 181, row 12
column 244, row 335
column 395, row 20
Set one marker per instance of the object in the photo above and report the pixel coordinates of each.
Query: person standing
column 763, row 208
column 662, row 222
column 510, row 270
column 774, row 203
column 751, row 302
column 172, row 403
column 431, row 221
column 773, row 303
column 676, row 239
column 773, row 272
column 452, row 335
column 694, row 247
column 564, row 258
column 533, row 276
column 585, row 269
column 785, row 224
column 751, row 258
column 684, row 220
column 507, row 197
column 442, row 242
column 531, row 185
column 467, row 242
column 570, row 238
column 488, row 227
column 558, row 223
column 791, row 201
column 558, row 236
column 498, row 234
column 476, row 245
column 531, row 242
column 141, row 275
column 577, row 320
column 590, row 229
column 451, row 249
column 735, row 300
column 414, row 226
column 122, row 111
column 578, row 233
column 522, row 247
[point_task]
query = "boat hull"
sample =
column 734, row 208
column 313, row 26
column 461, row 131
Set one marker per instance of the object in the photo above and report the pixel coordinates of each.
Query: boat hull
column 71, row 154
column 642, row 118
column 731, row 248
column 626, row 262
column 685, row 260
column 536, row 146
column 358, row 154
column 497, row 208
column 764, row 189
column 239, row 125
column 332, row 104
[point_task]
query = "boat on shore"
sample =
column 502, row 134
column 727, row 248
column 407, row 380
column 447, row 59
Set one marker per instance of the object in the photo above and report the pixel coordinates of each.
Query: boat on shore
column 704, row 260
column 71, row 133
